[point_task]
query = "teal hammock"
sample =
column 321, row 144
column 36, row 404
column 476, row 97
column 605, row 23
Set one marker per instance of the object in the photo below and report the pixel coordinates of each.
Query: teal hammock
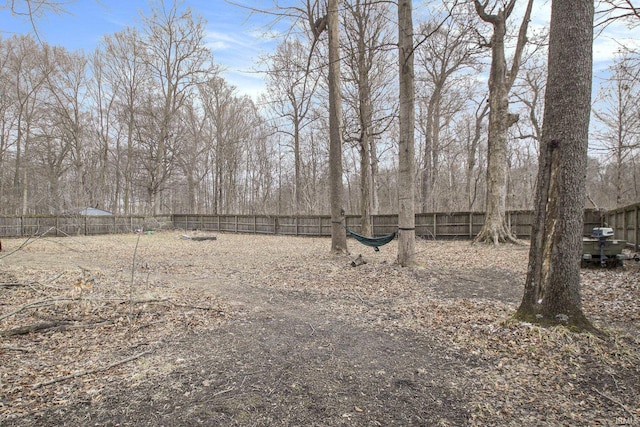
column 373, row 242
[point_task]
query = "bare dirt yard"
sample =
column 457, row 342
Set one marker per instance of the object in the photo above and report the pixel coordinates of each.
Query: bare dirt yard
column 157, row 330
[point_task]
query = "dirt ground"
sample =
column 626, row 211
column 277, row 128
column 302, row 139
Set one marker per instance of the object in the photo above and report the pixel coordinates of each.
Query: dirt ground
column 159, row 330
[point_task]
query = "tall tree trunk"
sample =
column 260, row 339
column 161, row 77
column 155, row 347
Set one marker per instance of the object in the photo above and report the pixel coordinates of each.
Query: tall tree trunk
column 406, row 149
column 475, row 135
column 299, row 186
column 552, row 288
column 365, row 187
column 501, row 80
column 338, row 232
column 375, row 198
column 366, row 118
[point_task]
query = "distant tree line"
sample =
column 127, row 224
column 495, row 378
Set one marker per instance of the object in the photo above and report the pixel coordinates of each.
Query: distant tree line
column 146, row 123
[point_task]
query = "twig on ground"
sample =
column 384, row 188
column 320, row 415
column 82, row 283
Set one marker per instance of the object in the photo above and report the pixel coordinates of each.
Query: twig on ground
column 92, row 371
column 222, row 392
column 11, row 285
column 24, row 330
column 197, row 307
column 617, row 402
column 60, row 325
column 14, row 348
column 36, row 304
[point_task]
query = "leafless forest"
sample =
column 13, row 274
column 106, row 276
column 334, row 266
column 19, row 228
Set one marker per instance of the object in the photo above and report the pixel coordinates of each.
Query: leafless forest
column 147, row 124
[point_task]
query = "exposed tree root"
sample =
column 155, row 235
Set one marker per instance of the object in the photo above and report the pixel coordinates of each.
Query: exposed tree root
column 496, row 236
column 577, row 322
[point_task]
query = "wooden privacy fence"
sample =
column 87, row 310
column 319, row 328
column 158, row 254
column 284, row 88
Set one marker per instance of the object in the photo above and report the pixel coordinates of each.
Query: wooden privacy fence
column 18, row 226
column 625, row 223
column 457, row 225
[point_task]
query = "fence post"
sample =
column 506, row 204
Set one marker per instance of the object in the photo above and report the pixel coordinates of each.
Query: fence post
column 435, row 222
column 633, row 229
column 637, row 228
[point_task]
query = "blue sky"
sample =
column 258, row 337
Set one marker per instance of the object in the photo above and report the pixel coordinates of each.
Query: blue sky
column 236, row 39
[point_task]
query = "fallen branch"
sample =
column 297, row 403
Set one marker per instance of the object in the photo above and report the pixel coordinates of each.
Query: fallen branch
column 11, row 285
column 617, row 402
column 14, row 348
column 196, row 307
column 27, row 242
column 222, row 392
column 53, row 301
column 24, row 330
column 198, row 239
column 89, row 372
column 60, row 325
column 36, row 304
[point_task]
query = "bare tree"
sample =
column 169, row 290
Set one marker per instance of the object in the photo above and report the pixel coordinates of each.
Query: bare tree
column 291, row 85
column 128, row 77
column 406, row 146
column 338, row 232
column 446, row 51
column 104, row 98
column 220, row 105
column 368, row 79
column 552, row 288
column 618, row 132
column 68, row 87
column 473, row 136
column 501, row 80
column 609, row 11
column 24, row 78
column 179, row 61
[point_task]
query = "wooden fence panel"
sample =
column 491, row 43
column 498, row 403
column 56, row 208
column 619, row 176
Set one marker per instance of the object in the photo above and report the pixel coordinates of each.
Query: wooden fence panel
column 10, row 226
column 443, row 225
column 625, row 222
column 384, row 224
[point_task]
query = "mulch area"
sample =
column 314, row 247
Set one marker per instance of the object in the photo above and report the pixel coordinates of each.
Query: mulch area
column 268, row 330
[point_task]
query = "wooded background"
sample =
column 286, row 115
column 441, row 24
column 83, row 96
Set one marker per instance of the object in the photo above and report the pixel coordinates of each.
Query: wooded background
column 134, row 130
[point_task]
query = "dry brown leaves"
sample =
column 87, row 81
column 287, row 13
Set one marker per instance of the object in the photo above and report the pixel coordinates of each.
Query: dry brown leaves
column 462, row 296
column 96, row 326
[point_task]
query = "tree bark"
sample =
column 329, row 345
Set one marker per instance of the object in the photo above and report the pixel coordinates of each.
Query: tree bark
column 501, row 80
column 338, row 232
column 552, row 288
column 406, row 148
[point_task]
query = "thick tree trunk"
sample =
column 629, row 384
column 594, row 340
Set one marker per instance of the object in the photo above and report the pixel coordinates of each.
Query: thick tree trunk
column 375, row 199
column 298, row 167
column 365, row 188
column 406, row 149
column 338, row 232
column 495, row 229
column 366, row 117
column 501, row 80
column 552, row 289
